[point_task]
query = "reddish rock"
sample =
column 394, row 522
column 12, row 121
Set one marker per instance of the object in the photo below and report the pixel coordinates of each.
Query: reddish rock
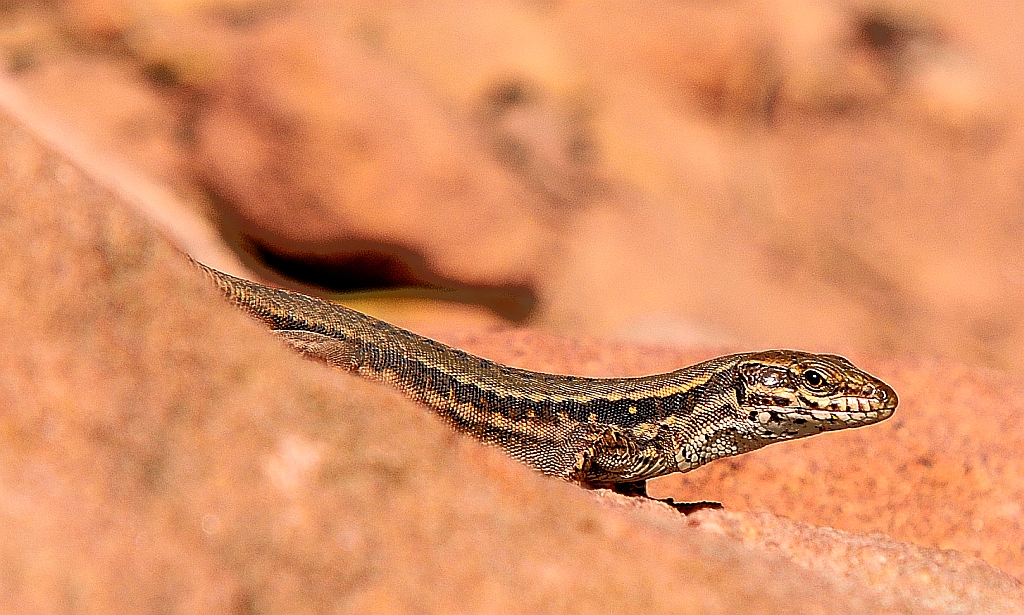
column 401, row 172
column 928, row 578
column 801, row 175
column 943, row 472
column 161, row 452
column 826, row 177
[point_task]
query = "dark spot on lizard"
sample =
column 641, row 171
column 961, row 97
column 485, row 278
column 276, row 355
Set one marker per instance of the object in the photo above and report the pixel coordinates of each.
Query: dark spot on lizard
column 809, row 403
column 755, row 399
column 741, row 391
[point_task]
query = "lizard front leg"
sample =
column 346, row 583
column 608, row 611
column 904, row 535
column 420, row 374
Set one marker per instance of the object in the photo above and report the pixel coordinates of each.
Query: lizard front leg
column 606, row 455
column 618, row 461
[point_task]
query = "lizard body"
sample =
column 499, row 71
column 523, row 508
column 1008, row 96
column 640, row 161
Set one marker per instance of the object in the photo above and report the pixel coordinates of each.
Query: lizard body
column 616, row 432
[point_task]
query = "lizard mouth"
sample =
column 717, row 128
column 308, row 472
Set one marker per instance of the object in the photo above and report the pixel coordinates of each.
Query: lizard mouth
column 848, row 412
column 867, row 404
column 842, row 413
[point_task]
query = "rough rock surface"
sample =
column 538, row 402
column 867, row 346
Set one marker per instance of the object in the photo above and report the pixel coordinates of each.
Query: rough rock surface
column 795, row 175
column 900, row 573
column 928, row 578
column 160, row 452
column 832, row 175
column 943, row 472
column 815, row 174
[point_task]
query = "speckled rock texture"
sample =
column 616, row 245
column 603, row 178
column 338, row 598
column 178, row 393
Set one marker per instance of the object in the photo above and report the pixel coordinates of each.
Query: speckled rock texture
column 161, row 453
column 684, row 178
column 943, row 472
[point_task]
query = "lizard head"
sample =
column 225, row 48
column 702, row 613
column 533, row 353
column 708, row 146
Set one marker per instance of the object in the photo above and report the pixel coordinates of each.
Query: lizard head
column 786, row 394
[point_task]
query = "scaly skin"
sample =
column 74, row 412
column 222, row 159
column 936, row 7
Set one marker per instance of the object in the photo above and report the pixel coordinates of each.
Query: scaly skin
column 615, row 432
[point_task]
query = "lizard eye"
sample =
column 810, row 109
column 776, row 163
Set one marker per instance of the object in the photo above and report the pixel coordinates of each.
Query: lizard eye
column 814, row 378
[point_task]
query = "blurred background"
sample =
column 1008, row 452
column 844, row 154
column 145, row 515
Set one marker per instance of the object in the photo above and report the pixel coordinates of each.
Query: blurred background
column 836, row 175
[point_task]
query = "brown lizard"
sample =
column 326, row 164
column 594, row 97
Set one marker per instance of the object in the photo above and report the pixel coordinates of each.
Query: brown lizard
column 595, row 432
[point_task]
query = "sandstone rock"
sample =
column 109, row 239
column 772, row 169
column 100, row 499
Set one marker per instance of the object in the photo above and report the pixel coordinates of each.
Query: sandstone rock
column 161, row 453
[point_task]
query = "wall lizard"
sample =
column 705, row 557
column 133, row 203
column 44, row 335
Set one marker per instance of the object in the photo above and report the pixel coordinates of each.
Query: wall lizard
column 596, row 432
